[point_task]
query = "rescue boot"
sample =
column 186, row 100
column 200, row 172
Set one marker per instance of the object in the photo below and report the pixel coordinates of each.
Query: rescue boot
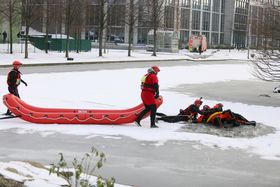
column 8, row 113
column 253, row 123
column 137, row 123
column 154, row 126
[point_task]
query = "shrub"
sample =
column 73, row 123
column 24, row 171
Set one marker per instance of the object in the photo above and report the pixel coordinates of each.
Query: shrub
column 82, row 170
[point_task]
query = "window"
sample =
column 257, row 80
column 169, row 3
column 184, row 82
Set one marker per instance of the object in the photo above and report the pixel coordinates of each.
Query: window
column 196, row 4
column 142, row 35
column 184, row 36
column 206, row 21
column 206, row 4
column 216, row 5
column 185, row 18
column 223, row 6
column 222, row 23
column 185, row 3
column 169, row 16
column 215, row 38
column 196, row 20
column 215, row 22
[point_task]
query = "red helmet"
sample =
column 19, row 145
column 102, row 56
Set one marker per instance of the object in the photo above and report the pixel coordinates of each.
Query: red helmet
column 219, row 105
column 155, row 69
column 198, row 102
column 17, row 63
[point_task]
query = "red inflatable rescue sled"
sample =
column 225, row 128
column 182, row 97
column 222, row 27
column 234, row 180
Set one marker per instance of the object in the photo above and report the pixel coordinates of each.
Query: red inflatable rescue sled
column 72, row 116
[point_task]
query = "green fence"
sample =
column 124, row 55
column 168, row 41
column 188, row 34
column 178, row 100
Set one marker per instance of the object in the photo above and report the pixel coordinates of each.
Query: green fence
column 57, row 44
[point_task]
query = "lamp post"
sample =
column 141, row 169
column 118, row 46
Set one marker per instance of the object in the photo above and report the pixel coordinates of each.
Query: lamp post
column 249, row 29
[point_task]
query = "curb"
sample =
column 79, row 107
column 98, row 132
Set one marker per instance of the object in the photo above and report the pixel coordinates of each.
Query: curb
column 96, row 62
column 122, row 61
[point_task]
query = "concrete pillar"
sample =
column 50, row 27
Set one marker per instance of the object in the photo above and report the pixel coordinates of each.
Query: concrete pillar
column 201, row 17
column 220, row 22
column 190, row 24
column 210, row 26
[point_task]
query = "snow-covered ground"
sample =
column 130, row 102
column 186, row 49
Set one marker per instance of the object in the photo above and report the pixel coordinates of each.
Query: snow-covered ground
column 120, row 89
column 37, row 56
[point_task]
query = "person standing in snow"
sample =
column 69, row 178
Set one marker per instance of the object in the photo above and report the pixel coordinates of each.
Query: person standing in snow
column 149, row 94
column 13, row 80
column 4, row 36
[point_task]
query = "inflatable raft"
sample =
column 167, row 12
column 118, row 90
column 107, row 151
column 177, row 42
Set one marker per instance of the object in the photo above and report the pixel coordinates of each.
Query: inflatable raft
column 72, row 116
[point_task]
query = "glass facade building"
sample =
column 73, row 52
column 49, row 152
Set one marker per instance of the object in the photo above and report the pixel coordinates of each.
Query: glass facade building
column 223, row 22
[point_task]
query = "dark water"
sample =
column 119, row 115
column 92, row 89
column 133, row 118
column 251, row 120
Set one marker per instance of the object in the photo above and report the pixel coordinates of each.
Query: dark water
column 244, row 131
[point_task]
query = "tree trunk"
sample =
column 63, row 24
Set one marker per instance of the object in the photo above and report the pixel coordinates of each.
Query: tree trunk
column 130, row 33
column 155, row 43
column 47, row 29
column 11, row 27
column 67, row 46
column 26, row 41
column 101, row 26
column 67, row 29
column 100, row 40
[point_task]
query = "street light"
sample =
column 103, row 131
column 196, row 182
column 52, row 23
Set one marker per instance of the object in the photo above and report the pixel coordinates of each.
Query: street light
column 249, row 30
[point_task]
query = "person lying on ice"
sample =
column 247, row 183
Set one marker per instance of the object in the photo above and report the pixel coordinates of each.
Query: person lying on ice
column 189, row 114
column 221, row 118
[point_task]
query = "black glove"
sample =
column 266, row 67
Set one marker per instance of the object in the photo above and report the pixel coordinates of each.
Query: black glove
column 181, row 112
column 24, row 82
column 157, row 95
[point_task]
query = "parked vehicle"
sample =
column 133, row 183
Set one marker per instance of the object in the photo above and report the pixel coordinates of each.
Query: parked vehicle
column 197, row 43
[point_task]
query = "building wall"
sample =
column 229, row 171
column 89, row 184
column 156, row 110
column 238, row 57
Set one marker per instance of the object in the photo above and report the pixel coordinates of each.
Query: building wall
column 203, row 17
column 223, row 22
column 229, row 22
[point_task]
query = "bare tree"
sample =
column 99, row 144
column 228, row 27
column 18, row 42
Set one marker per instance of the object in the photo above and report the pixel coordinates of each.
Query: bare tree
column 156, row 12
column 10, row 9
column 79, row 21
column 131, row 18
column 69, row 15
column 29, row 10
column 47, row 6
column 102, row 23
column 267, row 65
column 267, row 61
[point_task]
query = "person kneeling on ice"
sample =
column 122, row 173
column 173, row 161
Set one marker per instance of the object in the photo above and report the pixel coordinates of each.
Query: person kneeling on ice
column 189, row 114
column 223, row 118
column 149, row 94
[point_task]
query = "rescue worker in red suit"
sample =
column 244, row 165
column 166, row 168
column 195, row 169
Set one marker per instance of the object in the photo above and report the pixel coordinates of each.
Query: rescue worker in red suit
column 13, row 81
column 189, row 114
column 223, row 118
column 149, row 94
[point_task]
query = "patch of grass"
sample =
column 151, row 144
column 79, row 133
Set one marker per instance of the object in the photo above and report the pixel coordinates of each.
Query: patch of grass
column 13, row 170
column 35, row 164
column 9, row 182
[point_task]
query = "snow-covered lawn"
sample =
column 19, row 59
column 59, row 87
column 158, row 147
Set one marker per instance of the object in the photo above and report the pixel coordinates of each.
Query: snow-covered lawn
column 37, row 56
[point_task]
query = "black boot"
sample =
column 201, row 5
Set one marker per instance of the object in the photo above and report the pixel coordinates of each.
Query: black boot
column 8, row 113
column 154, row 126
column 138, row 123
column 253, row 123
column 139, row 118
